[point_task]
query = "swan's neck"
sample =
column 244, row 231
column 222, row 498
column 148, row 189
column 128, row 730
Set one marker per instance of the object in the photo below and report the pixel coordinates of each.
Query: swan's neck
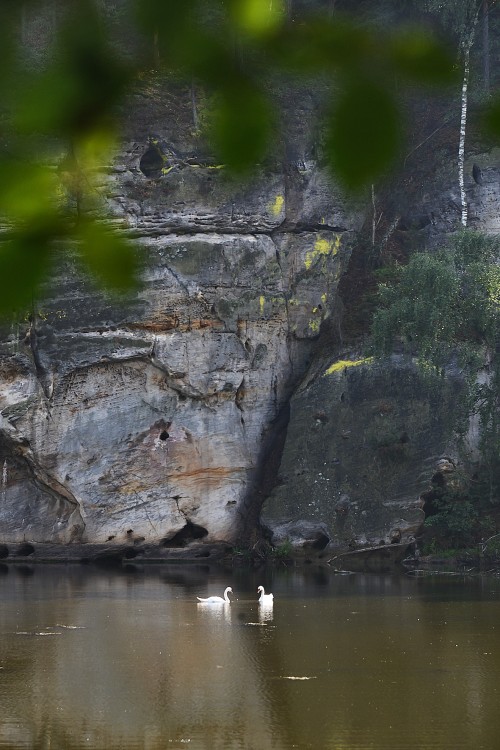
column 226, row 598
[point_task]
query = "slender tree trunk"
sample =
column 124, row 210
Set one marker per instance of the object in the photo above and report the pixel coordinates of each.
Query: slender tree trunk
column 194, row 106
column 156, row 49
column 374, row 218
column 24, row 25
column 463, row 128
column 486, row 47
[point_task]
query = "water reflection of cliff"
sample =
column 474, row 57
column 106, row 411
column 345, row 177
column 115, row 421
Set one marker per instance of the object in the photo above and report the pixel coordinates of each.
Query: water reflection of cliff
column 115, row 661
column 112, row 662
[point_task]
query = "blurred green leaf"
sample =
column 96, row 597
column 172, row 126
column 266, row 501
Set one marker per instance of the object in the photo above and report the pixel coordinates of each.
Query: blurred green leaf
column 242, row 126
column 27, row 191
column 319, row 45
column 419, row 56
column 257, row 17
column 79, row 88
column 24, row 262
column 111, row 258
column 170, row 28
column 364, row 134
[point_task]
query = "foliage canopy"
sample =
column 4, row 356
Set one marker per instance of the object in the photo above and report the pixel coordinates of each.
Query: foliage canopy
column 445, row 308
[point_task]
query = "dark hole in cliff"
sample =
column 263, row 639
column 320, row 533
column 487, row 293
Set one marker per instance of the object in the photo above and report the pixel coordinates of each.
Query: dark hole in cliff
column 164, row 435
column 203, row 553
column 25, row 550
column 188, row 534
column 130, row 531
column 438, row 479
column 111, row 557
column 319, row 542
column 4, row 551
column 130, row 553
column 151, row 162
column 431, row 505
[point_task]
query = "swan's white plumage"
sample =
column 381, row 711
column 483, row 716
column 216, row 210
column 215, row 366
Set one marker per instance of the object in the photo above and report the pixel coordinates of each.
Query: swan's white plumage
column 217, row 599
column 264, row 598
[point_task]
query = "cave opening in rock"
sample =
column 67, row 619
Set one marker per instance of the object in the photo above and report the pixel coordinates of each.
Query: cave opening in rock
column 319, row 543
column 189, row 533
column 151, row 162
column 164, row 435
column 431, row 501
column 25, row 549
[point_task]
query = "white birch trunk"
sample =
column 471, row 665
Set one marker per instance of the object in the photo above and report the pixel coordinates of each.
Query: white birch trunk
column 374, row 217
column 194, row 107
column 486, row 48
column 463, row 127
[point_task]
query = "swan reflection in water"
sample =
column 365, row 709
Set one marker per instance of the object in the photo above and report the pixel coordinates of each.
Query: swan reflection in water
column 217, row 607
column 265, row 613
column 266, row 602
column 218, row 611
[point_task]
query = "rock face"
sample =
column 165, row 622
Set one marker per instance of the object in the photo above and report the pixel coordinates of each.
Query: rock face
column 160, row 419
column 147, row 418
column 362, row 444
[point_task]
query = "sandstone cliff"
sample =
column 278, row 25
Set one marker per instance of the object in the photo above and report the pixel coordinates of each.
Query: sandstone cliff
column 161, row 418
column 148, row 419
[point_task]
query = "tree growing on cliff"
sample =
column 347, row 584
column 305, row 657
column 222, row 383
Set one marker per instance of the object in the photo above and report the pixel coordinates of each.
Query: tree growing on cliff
column 444, row 309
column 461, row 17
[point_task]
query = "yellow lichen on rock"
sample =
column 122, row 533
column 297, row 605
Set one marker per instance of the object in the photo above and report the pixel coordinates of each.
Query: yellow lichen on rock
column 314, row 325
column 322, row 248
column 343, row 363
column 277, row 207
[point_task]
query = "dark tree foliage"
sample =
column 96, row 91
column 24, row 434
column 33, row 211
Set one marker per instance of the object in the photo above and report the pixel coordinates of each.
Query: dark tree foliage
column 444, row 309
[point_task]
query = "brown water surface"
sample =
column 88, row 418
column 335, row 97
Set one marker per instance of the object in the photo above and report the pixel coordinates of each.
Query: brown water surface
column 128, row 660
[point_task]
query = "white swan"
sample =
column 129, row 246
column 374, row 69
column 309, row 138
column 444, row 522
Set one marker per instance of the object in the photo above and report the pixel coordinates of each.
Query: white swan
column 217, row 599
column 265, row 598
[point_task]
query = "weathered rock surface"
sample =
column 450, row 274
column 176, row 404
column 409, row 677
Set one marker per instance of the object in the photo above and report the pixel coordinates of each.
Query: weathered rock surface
column 362, row 444
column 146, row 419
column 156, row 423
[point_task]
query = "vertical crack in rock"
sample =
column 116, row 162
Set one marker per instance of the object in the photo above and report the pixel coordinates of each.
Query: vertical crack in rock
column 182, row 513
column 45, row 378
column 240, row 395
column 266, row 476
column 286, row 296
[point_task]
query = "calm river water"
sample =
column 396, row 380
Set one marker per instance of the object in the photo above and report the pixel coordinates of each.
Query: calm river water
column 127, row 660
